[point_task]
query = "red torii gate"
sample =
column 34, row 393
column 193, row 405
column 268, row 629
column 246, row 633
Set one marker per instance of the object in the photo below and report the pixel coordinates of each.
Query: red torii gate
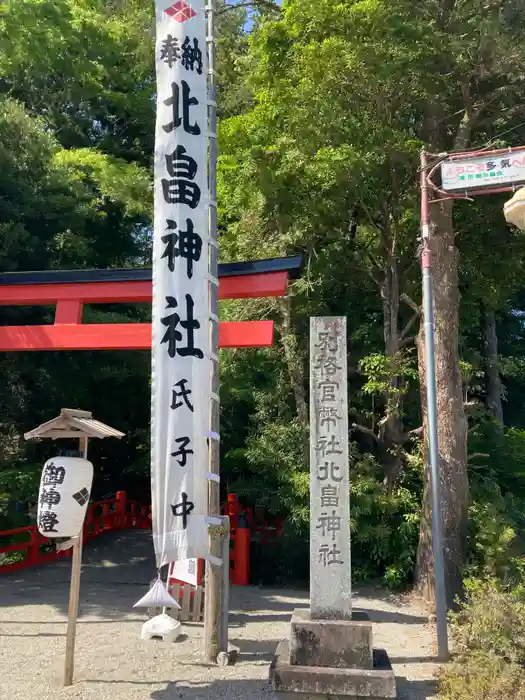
column 69, row 290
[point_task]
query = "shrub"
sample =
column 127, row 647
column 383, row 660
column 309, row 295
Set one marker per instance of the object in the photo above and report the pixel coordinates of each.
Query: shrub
column 482, row 677
column 384, row 524
column 285, row 562
column 489, row 637
column 491, row 620
column 18, row 488
column 495, row 535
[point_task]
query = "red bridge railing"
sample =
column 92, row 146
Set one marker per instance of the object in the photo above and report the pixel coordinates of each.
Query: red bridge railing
column 117, row 513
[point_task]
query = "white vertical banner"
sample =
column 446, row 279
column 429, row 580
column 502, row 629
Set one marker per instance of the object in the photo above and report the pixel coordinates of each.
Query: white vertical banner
column 181, row 362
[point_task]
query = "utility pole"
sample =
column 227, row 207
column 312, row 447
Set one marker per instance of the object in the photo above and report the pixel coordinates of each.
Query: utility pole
column 432, row 434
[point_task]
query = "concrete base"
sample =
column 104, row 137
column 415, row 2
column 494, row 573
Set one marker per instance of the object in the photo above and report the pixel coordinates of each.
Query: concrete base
column 331, row 643
column 318, row 683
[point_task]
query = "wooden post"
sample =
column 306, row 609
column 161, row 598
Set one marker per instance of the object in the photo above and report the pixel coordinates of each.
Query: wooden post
column 74, row 593
column 212, row 599
column 225, row 584
column 213, row 594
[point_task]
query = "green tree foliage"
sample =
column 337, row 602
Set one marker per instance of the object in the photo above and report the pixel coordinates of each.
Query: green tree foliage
column 344, row 95
column 86, row 68
column 74, row 192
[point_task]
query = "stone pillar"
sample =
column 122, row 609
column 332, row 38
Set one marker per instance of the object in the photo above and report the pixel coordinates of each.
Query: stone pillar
column 329, row 652
column 330, row 585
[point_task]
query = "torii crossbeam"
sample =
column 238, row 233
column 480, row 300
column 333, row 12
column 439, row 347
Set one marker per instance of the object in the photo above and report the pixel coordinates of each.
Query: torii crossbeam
column 69, row 290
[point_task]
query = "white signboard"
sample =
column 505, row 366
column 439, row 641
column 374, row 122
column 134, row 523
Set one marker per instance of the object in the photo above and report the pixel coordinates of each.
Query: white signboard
column 181, row 341
column 186, row 570
column 466, row 173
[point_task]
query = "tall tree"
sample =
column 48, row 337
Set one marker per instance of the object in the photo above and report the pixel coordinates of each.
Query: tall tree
column 86, row 68
column 480, row 58
column 345, row 95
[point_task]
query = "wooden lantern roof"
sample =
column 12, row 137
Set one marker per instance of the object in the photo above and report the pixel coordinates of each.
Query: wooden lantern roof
column 73, row 424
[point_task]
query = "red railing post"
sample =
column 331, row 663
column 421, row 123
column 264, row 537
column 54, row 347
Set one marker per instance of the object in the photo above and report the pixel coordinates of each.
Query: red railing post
column 233, row 510
column 33, row 550
column 133, row 514
column 104, row 518
column 87, row 523
column 241, row 552
column 144, row 518
column 96, row 522
column 121, row 507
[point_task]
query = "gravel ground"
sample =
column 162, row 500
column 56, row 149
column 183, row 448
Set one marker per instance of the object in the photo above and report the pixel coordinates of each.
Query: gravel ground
column 112, row 663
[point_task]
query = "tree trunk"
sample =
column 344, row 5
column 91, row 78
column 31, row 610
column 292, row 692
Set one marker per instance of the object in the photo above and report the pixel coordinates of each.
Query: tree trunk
column 294, row 362
column 493, row 384
column 392, row 428
column 452, row 424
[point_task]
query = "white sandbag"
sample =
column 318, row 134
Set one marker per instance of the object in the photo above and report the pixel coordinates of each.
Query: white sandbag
column 157, row 597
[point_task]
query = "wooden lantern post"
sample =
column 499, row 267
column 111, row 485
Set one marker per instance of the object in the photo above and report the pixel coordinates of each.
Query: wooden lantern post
column 80, row 425
column 74, row 591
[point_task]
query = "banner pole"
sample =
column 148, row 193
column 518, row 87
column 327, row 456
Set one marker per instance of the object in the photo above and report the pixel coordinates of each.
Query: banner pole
column 213, row 588
column 183, row 280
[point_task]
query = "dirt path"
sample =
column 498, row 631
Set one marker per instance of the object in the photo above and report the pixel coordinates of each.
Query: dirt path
column 112, row 663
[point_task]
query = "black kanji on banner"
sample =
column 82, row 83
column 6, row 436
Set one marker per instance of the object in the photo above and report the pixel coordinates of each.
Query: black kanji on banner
column 191, row 57
column 182, row 510
column 181, row 192
column 173, row 336
column 182, row 451
column 178, row 164
column 184, row 244
column 182, row 169
column 189, row 53
column 181, row 116
column 182, row 393
column 170, row 50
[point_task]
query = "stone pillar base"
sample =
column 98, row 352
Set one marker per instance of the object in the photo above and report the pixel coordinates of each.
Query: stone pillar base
column 331, row 643
column 331, row 659
column 292, row 682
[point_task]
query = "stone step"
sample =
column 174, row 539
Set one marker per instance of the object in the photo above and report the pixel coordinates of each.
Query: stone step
column 319, row 683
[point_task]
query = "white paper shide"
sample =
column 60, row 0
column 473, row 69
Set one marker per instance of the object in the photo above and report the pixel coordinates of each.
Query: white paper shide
column 181, row 343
